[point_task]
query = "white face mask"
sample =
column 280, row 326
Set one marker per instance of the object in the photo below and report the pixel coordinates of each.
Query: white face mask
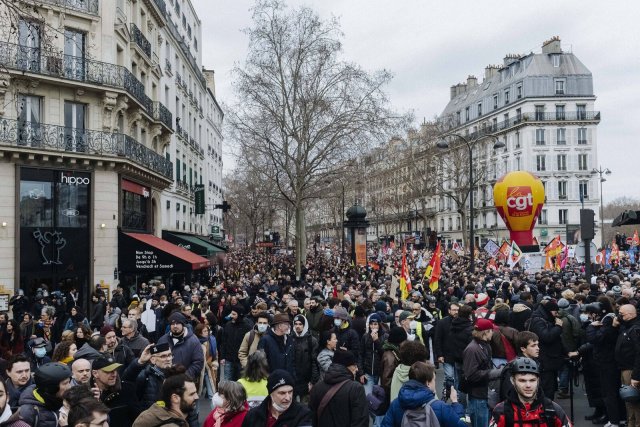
column 262, row 328
column 217, row 401
column 40, row 352
column 413, row 325
column 411, row 337
column 279, row 408
column 337, row 322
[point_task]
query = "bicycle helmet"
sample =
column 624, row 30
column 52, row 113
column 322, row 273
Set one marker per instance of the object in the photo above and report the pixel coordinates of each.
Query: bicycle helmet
column 629, row 394
column 49, row 376
column 524, row 365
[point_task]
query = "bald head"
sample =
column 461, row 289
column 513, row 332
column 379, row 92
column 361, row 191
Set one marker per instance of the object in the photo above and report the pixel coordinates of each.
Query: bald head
column 81, row 371
column 628, row 312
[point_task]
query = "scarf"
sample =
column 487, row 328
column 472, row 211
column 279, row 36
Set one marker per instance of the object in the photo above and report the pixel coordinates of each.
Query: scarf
column 6, row 413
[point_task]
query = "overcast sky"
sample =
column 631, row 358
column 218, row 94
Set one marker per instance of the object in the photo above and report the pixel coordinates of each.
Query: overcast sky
column 430, row 45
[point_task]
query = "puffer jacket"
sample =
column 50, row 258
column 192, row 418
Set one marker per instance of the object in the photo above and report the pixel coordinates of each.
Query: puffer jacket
column 305, row 348
column 325, row 359
column 159, row 416
column 347, row 408
column 413, row 395
column 32, row 407
column 371, row 351
column 186, row 352
column 460, row 337
column 552, row 351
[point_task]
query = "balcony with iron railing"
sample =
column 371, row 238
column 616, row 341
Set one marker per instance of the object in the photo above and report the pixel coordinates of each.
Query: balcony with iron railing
column 86, row 6
column 167, row 65
column 182, row 132
column 139, row 39
column 162, row 115
column 48, row 137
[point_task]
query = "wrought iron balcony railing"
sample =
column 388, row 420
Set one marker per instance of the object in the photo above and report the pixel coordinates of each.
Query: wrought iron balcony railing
column 167, row 65
column 49, row 137
column 182, row 132
column 87, row 6
column 162, row 114
column 76, row 68
column 138, row 38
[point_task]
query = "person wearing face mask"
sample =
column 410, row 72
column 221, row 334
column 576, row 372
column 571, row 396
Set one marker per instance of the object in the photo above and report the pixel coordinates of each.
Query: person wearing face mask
column 338, row 400
column 230, row 406
column 278, row 344
column 251, row 339
column 279, row 409
column 39, row 348
column 371, row 351
column 348, row 338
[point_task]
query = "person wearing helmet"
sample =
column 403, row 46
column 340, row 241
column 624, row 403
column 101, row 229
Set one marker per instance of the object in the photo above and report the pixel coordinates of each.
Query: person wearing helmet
column 525, row 403
column 41, row 402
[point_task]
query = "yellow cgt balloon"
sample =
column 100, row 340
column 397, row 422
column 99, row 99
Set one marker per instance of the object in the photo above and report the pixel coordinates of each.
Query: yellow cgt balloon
column 518, row 198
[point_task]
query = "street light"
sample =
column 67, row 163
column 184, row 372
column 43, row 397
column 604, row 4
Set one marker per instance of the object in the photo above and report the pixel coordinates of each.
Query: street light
column 443, row 144
column 601, row 172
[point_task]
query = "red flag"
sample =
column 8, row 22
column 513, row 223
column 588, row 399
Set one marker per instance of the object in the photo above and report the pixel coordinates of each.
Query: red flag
column 433, row 269
column 492, row 264
column 635, row 241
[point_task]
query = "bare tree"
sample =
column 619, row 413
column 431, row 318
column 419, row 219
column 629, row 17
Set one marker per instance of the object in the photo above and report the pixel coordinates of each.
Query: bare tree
column 302, row 111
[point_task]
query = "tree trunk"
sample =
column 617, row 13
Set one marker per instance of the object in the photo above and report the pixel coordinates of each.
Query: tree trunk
column 300, row 233
column 463, row 226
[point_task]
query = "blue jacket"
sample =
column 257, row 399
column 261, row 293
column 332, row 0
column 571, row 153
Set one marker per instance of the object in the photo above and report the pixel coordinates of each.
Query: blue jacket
column 411, row 396
column 280, row 352
column 187, row 351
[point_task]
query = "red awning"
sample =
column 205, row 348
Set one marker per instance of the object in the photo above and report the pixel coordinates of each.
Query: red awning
column 197, row 262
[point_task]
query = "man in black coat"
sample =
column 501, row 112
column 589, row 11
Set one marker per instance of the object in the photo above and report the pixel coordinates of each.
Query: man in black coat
column 348, row 406
column 277, row 344
column 230, row 341
column 547, row 326
column 279, row 409
column 305, row 351
column 443, row 345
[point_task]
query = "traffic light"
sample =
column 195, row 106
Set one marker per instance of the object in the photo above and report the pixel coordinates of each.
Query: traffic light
column 587, row 224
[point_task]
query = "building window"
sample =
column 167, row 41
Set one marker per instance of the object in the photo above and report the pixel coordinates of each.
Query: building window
column 539, row 136
column 457, row 118
column 561, row 136
column 562, row 162
column 458, row 224
column 581, row 112
column 541, row 163
column 495, row 102
column 556, row 60
column 506, row 96
column 582, row 162
column 560, row 112
column 562, row 190
column 517, row 163
column 563, row 215
column 466, row 114
column 539, row 112
column 450, row 224
column 582, row 136
column 559, row 87
column 517, row 138
column 543, row 217
column 134, row 211
column 519, row 91
column 494, row 124
column 584, row 189
column 479, row 109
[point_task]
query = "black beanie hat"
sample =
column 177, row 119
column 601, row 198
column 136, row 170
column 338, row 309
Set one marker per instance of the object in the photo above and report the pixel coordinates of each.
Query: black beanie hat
column 344, row 358
column 397, row 336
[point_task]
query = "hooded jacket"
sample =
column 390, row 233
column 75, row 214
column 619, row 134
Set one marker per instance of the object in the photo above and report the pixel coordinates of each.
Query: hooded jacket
column 412, row 395
column 231, row 338
column 159, row 416
column 371, row 351
column 519, row 315
column 348, row 407
column 33, row 406
column 552, row 351
column 87, row 352
column 400, row 376
column 187, row 351
column 305, row 351
column 460, row 337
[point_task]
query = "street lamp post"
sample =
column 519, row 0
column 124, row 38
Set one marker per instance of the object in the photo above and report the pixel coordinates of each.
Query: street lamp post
column 601, row 172
column 341, row 219
column 443, row 144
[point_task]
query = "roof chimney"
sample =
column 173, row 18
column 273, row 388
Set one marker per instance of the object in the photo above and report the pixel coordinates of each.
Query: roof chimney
column 472, row 81
column 553, row 45
column 453, row 91
column 490, row 71
column 510, row 59
column 209, row 77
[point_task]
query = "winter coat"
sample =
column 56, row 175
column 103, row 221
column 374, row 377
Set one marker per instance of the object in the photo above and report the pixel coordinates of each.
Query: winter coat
column 123, row 404
column 71, row 323
column 279, row 351
column 552, row 351
column 112, row 318
column 87, row 352
column 571, row 330
column 159, row 416
column 628, row 347
column 32, row 406
column 136, row 343
column 413, row 395
column 231, row 338
column 296, row 415
column 97, row 315
column 123, row 355
column 477, row 367
column 400, row 376
column 305, row 349
column 147, row 379
column 603, row 338
column 531, row 415
column 348, row 338
column 497, row 346
column 390, row 361
column 324, row 359
column 442, row 342
column 348, row 407
column 187, row 352
column 313, row 317
column 371, row 351
column 248, row 348
column 13, row 393
column 460, row 337
column 519, row 315
column 233, row 420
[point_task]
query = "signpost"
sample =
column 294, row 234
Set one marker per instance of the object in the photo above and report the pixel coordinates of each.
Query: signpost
column 199, row 199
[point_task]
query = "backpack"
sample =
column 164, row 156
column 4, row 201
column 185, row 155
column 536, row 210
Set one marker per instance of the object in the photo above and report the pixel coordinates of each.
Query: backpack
column 377, row 400
column 422, row 416
column 496, row 393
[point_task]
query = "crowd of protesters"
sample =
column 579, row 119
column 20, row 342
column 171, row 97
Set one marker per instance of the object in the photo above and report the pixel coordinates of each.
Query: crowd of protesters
column 337, row 347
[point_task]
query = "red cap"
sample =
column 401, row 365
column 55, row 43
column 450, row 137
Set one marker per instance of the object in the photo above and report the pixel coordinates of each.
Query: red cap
column 483, row 325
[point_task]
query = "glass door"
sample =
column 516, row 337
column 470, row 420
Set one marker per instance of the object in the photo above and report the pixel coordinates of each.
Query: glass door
column 29, row 129
column 74, row 54
column 74, row 115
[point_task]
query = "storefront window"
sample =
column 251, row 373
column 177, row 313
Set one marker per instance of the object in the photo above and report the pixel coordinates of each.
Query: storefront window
column 36, row 204
column 134, row 211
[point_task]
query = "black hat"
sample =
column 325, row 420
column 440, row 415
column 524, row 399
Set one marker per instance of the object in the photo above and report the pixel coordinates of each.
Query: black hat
column 177, row 317
column 279, row 378
column 49, row 376
column 344, row 358
column 397, row 336
column 106, row 364
column 160, row 348
column 238, row 309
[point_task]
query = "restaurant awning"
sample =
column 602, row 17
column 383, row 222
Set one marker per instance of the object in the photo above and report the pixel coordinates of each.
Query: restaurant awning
column 218, row 248
column 139, row 252
column 192, row 243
